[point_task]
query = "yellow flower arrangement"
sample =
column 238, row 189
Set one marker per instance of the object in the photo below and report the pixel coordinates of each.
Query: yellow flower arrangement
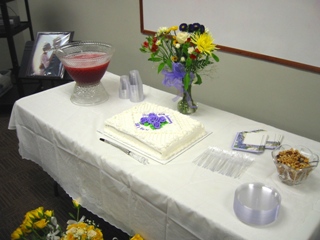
column 39, row 224
column 36, row 223
column 80, row 229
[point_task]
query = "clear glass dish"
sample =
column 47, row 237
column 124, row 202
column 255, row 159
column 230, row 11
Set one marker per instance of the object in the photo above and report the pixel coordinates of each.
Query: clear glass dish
column 294, row 170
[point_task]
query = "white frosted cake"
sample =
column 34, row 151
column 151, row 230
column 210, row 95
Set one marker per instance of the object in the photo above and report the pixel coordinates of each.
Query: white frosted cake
column 155, row 130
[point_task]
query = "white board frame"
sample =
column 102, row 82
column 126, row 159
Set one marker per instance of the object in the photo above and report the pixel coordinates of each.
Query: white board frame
column 282, row 31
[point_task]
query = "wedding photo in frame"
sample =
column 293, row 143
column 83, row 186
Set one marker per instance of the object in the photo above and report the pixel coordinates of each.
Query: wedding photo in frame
column 43, row 61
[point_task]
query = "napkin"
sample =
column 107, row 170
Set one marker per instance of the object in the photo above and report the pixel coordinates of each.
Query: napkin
column 257, row 141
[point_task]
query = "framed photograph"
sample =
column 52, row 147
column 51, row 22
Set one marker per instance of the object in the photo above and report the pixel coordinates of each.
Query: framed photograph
column 43, row 62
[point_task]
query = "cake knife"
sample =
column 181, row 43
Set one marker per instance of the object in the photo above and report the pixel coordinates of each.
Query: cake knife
column 140, row 159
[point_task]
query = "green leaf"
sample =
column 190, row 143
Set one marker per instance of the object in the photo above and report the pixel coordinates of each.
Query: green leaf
column 169, row 63
column 188, row 62
column 155, row 59
column 215, row 57
column 161, row 66
column 199, row 79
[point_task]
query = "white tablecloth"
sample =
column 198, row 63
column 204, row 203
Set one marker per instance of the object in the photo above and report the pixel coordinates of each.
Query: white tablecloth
column 178, row 200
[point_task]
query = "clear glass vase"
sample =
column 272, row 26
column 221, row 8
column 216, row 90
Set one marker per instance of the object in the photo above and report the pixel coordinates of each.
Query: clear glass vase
column 186, row 105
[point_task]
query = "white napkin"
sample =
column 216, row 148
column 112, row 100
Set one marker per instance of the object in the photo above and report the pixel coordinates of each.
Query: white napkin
column 268, row 139
column 256, row 138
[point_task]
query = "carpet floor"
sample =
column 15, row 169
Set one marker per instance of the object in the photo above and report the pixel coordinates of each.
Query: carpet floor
column 24, row 186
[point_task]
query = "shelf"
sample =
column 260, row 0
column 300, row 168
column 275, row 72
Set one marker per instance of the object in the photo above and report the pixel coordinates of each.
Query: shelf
column 14, row 30
column 8, row 31
column 5, row 1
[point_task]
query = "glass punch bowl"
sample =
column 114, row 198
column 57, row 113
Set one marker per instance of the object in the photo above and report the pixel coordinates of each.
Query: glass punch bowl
column 86, row 62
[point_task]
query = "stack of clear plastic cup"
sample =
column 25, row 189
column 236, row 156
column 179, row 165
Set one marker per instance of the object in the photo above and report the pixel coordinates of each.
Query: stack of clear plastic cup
column 124, row 89
column 256, row 204
column 136, row 86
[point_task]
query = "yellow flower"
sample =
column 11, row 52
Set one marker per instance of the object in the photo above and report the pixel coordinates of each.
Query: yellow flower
column 48, row 213
column 42, row 223
column 29, row 216
column 38, row 212
column 204, row 42
column 84, row 230
column 174, row 58
column 26, row 225
column 16, row 234
column 173, row 28
column 99, row 235
column 77, row 225
column 76, row 204
column 136, row 237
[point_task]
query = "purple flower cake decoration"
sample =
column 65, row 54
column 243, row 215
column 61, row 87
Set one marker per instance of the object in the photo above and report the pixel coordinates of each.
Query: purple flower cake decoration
column 153, row 120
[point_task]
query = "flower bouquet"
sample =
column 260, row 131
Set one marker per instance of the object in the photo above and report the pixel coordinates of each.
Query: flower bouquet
column 40, row 224
column 81, row 229
column 181, row 56
column 37, row 224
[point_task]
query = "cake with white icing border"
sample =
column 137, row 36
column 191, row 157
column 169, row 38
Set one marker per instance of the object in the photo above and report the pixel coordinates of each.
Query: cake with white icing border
column 155, row 130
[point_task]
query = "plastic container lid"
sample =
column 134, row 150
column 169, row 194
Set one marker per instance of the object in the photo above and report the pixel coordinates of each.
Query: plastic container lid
column 256, row 204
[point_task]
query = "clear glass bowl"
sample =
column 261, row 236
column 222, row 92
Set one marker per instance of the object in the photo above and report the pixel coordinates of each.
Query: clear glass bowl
column 293, row 172
column 86, row 62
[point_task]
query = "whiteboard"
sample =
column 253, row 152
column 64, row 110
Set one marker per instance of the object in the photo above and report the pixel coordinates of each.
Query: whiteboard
column 286, row 30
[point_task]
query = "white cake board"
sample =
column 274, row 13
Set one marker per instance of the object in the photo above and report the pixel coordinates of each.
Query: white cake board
column 146, row 155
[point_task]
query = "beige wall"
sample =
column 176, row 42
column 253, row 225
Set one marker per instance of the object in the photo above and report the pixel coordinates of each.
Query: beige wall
column 281, row 96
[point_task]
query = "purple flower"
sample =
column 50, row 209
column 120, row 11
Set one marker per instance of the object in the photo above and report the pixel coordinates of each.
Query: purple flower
column 156, row 125
column 152, row 117
column 162, row 119
column 183, row 27
column 153, row 120
column 144, row 120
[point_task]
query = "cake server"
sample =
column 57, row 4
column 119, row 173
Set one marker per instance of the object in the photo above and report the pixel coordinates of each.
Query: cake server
column 137, row 157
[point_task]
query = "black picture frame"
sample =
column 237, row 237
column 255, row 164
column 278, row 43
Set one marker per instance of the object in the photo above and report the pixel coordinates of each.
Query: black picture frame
column 43, row 62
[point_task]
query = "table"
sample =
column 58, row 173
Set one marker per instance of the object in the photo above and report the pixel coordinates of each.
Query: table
column 177, row 200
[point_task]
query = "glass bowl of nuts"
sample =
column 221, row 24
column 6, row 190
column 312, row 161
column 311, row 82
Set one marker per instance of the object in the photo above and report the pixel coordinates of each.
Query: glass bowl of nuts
column 294, row 164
